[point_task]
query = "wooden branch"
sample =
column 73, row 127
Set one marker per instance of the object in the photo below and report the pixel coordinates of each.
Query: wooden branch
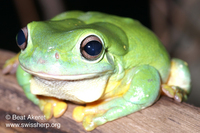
column 164, row 116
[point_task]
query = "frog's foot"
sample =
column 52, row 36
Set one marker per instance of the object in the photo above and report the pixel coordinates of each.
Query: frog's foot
column 52, row 106
column 92, row 117
column 174, row 92
column 11, row 65
column 80, row 111
column 96, row 115
column 178, row 84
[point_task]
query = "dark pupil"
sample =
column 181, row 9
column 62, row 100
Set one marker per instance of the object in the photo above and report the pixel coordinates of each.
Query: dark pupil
column 93, row 48
column 20, row 37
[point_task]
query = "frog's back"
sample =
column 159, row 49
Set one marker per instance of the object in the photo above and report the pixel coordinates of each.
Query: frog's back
column 144, row 46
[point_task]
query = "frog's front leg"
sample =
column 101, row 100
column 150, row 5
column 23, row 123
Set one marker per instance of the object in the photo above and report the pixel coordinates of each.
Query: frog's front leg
column 143, row 91
column 52, row 106
column 49, row 105
column 11, row 65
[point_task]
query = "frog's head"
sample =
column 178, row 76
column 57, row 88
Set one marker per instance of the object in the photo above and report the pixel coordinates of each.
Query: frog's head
column 70, row 52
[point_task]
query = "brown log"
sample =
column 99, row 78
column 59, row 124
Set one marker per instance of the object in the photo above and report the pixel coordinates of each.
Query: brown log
column 164, row 116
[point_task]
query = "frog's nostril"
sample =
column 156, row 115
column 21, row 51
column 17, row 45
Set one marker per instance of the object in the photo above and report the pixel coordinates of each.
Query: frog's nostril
column 57, row 55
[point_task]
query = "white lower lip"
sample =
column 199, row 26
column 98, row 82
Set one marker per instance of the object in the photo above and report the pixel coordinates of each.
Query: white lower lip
column 66, row 77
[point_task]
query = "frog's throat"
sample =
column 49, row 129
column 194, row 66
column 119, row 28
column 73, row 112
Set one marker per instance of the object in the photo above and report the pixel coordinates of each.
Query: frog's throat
column 79, row 91
column 66, row 77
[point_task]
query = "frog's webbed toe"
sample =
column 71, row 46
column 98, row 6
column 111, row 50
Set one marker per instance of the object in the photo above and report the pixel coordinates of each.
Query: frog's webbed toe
column 91, row 121
column 95, row 115
column 52, row 106
column 11, row 65
column 175, row 92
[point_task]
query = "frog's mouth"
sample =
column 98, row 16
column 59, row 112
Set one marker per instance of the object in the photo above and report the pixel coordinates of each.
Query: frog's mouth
column 76, row 88
column 65, row 77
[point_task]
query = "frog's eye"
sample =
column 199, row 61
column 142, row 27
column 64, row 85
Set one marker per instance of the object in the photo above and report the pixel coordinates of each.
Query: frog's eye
column 91, row 47
column 21, row 38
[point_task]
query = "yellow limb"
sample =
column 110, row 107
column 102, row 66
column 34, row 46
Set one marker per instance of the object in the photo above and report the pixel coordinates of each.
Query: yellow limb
column 11, row 65
column 52, row 106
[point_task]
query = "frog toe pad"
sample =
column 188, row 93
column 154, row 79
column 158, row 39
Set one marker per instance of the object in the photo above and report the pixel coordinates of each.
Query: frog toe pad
column 52, row 106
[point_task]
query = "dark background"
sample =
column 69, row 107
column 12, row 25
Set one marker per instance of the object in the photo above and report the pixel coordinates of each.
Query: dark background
column 10, row 21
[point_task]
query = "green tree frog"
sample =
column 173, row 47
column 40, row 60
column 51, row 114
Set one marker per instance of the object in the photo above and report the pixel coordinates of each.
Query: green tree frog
column 112, row 65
